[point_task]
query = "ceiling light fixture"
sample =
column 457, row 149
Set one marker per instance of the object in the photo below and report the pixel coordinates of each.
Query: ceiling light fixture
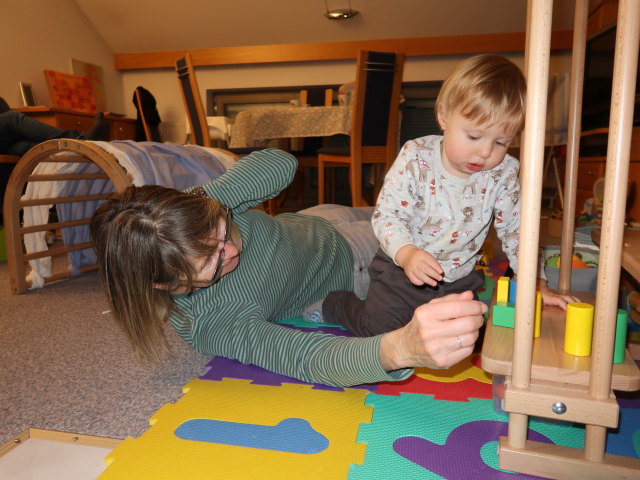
column 340, row 13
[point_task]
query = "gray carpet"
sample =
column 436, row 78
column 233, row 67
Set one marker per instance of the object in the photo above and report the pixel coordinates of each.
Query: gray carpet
column 64, row 365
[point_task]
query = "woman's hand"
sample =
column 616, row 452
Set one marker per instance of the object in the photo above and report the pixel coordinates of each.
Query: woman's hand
column 440, row 334
column 419, row 266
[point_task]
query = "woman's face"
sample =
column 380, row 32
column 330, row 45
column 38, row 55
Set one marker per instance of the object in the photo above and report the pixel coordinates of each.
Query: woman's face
column 224, row 259
column 230, row 259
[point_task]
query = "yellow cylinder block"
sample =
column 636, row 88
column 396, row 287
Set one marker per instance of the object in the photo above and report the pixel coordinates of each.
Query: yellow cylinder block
column 578, row 329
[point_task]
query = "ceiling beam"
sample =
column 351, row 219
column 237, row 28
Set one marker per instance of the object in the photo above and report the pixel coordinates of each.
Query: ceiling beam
column 309, row 52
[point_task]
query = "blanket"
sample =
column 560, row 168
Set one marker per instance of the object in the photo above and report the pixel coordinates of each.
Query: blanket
column 170, row 165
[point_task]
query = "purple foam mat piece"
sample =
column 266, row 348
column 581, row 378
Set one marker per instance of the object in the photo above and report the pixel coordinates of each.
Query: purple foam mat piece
column 324, row 329
column 456, row 459
column 221, row 367
column 628, row 399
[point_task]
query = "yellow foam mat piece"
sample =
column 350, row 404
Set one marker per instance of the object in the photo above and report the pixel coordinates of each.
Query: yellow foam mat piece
column 458, row 373
column 159, row 454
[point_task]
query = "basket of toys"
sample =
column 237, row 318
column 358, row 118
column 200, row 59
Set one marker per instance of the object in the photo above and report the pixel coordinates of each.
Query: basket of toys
column 584, row 268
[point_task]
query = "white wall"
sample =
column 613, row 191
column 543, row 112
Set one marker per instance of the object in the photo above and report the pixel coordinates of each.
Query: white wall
column 44, row 34
column 163, row 84
column 39, row 35
column 156, row 25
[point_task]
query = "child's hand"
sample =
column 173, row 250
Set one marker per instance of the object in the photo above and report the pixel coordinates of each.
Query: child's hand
column 419, row 266
column 558, row 300
column 553, row 298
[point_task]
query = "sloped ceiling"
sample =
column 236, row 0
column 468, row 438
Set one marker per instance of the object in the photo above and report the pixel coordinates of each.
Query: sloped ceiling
column 146, row 25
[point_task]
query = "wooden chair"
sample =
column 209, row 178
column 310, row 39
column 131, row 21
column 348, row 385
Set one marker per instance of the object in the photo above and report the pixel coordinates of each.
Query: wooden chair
column 219, row 131
column 306, row 149
column 196, row 114
column 374, row 128
column 316, row 97
column 148, row 118
column 7, row 164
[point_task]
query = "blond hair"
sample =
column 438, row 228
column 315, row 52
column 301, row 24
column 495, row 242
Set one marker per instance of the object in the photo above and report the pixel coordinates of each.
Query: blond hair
column 147, row 237
column 489, row 89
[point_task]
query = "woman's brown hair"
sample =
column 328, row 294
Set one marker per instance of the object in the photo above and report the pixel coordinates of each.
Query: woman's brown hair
column 144, row 238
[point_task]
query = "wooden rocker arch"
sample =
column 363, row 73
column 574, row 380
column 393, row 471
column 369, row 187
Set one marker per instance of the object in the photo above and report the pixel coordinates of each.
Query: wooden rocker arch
column 59, row 151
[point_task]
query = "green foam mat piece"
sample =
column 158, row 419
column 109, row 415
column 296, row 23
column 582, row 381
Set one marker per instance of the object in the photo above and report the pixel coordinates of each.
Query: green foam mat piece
column 434, row 420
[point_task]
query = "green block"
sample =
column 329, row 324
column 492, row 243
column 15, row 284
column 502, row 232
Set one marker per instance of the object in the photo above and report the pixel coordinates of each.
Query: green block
column 503, row 314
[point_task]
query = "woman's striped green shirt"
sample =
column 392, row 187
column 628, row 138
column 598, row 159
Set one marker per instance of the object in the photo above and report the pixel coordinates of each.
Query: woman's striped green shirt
column 287, row 262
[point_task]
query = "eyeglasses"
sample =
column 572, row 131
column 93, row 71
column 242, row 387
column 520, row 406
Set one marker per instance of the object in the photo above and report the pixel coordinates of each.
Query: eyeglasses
column 217, row 273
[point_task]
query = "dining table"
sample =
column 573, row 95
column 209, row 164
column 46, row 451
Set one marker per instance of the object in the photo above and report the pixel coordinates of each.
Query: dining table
column 254, row 127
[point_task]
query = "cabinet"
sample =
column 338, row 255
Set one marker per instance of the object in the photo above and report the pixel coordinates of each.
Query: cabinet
column 601, row 38
column 603, row 15
column 591, row 167
column 120, row 128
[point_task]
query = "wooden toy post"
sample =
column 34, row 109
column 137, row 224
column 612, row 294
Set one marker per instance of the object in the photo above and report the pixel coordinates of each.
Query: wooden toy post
column 542, row 380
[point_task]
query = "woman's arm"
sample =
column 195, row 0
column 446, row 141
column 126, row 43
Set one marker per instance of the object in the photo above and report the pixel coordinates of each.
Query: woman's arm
column 259, row 176
column 429, row 340
column 315, row 357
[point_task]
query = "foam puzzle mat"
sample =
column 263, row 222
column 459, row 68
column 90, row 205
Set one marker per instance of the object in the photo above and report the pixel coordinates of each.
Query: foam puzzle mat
column 241, row 421
column 233, row 429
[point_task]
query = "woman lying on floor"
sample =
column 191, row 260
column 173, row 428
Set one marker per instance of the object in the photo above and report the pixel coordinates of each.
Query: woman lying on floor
column 222, row 273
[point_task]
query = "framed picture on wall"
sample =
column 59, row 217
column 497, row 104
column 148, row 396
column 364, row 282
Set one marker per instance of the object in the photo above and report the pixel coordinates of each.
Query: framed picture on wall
column 96, row 78
column 28, row 97
column 70, row 91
